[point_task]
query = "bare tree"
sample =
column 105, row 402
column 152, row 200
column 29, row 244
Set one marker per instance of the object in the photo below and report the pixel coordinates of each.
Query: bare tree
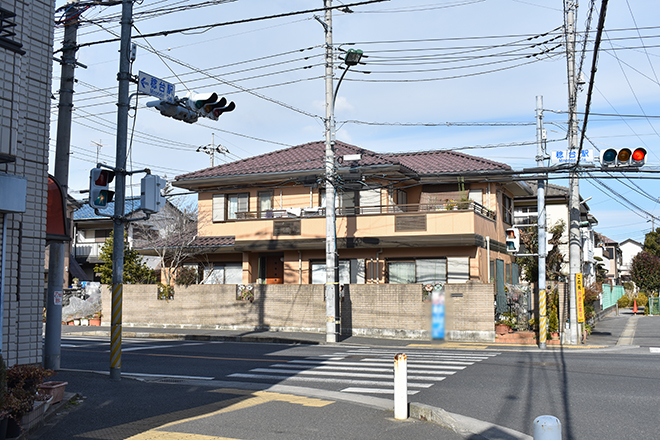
column 170, row 234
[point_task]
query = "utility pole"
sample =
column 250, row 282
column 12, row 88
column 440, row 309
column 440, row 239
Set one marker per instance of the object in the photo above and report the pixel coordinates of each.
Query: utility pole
column 332, row 282
column 212, row 149
column 123, row 78
column 52, row 343
column 574, row 256
column 540, row 203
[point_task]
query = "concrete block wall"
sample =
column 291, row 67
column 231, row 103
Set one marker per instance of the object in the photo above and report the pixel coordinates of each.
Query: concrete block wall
column 25, row 91
column 384, row 310
column 470, row 314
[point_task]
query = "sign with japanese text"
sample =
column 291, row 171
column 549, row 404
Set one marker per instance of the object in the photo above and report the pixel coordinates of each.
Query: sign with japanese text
column 156, row 87
column 579, row 289
column 570, row 156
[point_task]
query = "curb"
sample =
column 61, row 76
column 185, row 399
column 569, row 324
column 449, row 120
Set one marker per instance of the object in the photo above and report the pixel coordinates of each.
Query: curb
column 465, row 426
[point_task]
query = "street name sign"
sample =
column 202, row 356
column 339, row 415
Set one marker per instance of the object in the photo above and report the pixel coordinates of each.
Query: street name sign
column 156, row 87
column 570, row 156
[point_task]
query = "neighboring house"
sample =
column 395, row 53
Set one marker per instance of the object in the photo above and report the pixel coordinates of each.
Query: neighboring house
column 92, row 230
column 26, row 51
column 401, row 218
column 556, row 209
column 629, row 249
column 71, row 267
column 612, row 258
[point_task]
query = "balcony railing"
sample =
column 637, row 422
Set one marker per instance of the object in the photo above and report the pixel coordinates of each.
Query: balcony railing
column 367, row 210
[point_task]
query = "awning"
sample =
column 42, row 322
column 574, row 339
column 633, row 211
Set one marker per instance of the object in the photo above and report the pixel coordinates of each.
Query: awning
column 56, row 222
column 76, row 270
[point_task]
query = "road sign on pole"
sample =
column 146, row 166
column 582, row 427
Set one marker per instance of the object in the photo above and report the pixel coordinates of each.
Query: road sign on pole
column 156, row 87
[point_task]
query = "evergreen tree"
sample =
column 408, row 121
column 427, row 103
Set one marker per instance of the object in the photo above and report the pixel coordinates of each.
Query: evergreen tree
column 645, row 271
column 652, row 243
column 136, row 271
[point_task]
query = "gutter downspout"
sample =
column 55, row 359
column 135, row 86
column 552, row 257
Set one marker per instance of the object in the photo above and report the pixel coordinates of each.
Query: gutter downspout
column 488, row 258
column 299, row 267
column 2, row 278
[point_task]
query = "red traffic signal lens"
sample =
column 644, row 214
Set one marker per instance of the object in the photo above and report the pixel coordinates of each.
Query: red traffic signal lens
column 104, row 178
column 639, row 155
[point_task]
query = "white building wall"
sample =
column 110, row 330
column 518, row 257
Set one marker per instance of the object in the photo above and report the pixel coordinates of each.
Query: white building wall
column 24, row 134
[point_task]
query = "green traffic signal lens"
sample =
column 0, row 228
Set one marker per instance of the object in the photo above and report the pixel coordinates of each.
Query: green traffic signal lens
column 609, row 155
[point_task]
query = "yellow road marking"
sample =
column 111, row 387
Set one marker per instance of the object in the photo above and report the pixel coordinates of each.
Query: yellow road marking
column 245, row 399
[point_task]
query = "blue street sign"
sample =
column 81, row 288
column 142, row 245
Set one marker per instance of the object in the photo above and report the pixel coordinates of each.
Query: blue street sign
column 570, row 156
column 156, row 87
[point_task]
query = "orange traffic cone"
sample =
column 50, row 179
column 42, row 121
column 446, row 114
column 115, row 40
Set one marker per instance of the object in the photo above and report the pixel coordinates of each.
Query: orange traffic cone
column 635, row 307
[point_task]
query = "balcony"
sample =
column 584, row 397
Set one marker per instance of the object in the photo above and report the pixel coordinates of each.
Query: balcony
column 312, row 212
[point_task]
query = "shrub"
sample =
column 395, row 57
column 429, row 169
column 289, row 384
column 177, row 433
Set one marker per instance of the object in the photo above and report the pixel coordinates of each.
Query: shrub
column 623, row 302
column 22, row 385
column 642, row 300
column 186, row 276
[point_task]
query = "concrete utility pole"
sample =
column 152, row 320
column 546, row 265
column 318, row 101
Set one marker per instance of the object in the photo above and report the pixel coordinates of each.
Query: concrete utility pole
column 332, row 282
column 123, row 78
column 540, row 203
column 574, row 256
column 56, row 262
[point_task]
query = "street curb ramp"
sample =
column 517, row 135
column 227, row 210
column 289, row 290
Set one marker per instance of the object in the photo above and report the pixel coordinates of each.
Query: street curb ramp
column 468, row 427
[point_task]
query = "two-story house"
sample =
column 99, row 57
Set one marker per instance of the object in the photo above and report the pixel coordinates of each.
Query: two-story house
column 610, row 252
column 629, row 250
column 420, row 217
column 91, row 231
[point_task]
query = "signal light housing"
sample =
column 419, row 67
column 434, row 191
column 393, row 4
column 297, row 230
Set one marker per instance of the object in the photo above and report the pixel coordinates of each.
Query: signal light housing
column 513, row 240
column 99, row 188
column 622, row 157
column 175, row 111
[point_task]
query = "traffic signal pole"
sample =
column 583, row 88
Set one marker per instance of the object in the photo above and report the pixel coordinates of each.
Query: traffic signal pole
column 123, row 78
column 574, row 247
column 540, row 216
column 56, row 263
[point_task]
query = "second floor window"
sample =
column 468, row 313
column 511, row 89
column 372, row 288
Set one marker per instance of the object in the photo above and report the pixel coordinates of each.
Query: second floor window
column 507, row 209
column 227, row 206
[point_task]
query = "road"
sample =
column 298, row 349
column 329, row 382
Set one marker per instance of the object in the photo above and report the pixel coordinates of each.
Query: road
column 600, row 393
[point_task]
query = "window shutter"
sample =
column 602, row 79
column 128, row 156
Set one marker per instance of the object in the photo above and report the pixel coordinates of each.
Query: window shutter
column 458, row 269
column 370, row 198
column 219, row 213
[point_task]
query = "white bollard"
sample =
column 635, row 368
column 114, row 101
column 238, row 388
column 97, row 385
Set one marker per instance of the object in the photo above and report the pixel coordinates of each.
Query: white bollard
column 547, row 428
column 400, row 386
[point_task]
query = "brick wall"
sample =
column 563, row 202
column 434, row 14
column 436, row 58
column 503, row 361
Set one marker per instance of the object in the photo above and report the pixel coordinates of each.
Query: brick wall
column 381, row 310
column 25, row 103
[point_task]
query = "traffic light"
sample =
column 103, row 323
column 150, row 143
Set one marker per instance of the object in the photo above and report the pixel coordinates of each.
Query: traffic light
column 99, row 188
column 213, row 110
column 622, row 157
column 513, row 240
column 151, row 193
column 195, row 101
column 175, row 111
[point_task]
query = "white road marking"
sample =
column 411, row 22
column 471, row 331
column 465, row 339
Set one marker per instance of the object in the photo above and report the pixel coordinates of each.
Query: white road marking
column 654, row 349
column 302, row 368
column 325, row 380
column 375, row 390
column 379, row 364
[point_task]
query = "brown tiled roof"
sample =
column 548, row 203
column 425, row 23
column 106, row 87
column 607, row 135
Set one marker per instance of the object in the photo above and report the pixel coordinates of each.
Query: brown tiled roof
column 442, row 161
column 213, row 241
column 306, row 157
column 311, row 157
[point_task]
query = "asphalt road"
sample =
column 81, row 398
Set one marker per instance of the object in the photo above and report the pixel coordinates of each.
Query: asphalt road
column 598, row 393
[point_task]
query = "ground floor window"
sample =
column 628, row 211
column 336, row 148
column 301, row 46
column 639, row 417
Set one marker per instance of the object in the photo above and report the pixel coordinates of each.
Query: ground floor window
column 225, row 273
column 420, row 270
column 350, row 271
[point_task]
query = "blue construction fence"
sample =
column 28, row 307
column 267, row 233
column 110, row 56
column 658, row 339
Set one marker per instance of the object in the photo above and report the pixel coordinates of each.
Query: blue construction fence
column 611, row 295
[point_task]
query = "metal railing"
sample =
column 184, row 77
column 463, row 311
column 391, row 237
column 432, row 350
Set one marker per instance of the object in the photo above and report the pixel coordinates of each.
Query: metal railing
column 311, row 212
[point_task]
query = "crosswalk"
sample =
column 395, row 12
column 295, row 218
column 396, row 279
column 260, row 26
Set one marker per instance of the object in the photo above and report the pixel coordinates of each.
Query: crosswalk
column 366, row 370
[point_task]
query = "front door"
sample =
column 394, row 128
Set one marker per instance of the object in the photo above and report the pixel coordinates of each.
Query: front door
column 274, row 269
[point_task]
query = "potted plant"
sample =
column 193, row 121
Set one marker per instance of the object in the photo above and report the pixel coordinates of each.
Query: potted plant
column 21, row 393
column 95, row 319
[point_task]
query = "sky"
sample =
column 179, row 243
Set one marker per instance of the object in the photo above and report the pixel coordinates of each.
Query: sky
column 447, row 74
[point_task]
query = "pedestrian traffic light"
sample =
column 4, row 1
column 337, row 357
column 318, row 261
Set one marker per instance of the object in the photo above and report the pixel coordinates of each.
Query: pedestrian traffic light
column 175, row 111
column 513, row 240
column 99, row 188
column 622, row 157
column 151, row 193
